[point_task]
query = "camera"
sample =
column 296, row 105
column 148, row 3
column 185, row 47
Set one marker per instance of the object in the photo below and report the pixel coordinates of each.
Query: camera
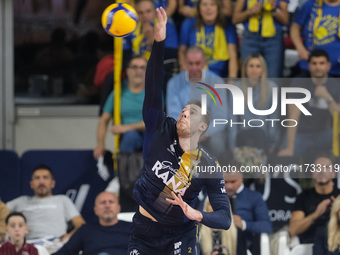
column 219, row 250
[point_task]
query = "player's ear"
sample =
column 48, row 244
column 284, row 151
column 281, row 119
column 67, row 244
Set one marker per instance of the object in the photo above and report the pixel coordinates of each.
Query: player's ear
column 203, row 126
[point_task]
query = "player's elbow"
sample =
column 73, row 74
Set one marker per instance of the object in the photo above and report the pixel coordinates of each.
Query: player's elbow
column 226, row 223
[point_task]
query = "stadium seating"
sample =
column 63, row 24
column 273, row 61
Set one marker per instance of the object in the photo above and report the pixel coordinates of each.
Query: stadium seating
column 75, row 172
column 9, row 175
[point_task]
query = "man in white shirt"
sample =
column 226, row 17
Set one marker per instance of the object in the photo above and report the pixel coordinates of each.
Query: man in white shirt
column 47, row 214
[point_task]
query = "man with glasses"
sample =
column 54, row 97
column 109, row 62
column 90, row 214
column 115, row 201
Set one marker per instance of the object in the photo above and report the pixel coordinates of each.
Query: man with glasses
column 132, row 125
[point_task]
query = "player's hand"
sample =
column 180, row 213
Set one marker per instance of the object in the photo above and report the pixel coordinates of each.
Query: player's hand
column 190, row 212
column 160, row 31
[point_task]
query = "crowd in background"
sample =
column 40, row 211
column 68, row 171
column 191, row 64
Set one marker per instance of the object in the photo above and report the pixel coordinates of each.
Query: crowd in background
column 241, row 43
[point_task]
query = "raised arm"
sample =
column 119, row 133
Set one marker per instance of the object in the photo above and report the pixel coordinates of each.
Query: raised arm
column 154, row 76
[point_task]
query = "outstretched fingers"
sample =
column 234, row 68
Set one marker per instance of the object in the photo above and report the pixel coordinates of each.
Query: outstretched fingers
column 161, row 15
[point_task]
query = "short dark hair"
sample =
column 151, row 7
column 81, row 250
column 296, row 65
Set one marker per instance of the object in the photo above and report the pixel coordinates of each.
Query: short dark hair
column 318, row 53
column 136, row 57
column 12, row 214
column 323, row 154
column 206, row 117
column 139, row 1
column 43, row 166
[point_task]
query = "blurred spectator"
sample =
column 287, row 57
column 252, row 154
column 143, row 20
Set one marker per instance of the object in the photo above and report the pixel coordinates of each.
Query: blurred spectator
column 187, row 8
column 327, row 240
column 254, row 76
column 132, row 125
column 47, row 215
column 85, row 62
column 56, row 61
column 216, row 36
column 103, row 79
column 250, row 213
column 140, row 42
column 3, row 214
column 17, row 229
column 108, row 236
column 263, row 22
column 169, row 6
column 217, row 241
column 313, row 132
column 312, row 207
column 316, row 26
column 183, row 87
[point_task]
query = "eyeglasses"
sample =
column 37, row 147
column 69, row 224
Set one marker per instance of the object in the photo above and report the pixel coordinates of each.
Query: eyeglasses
column 135, row 67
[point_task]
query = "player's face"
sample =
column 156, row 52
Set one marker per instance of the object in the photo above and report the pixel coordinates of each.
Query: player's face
column 42, row 183
column 146, row 11
column 195, row 63
column 136, row 71
column 189, row 121
column 16, row 228
column 254, row 68
column 323, row 174
column 208, row 10
column 232, row 184
column 319, row 67
column 106, row 207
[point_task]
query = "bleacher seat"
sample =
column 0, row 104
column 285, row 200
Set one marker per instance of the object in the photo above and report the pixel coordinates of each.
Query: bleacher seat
column 42, row 250
column 9, row 175
column 76, row 175
column 302, row 249
column 265, row 244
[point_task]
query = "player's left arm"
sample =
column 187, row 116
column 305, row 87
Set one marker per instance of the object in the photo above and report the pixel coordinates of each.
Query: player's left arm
column 220, row 218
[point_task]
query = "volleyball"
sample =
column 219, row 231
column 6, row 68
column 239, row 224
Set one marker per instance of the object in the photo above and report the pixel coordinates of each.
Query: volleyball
column 119, row 19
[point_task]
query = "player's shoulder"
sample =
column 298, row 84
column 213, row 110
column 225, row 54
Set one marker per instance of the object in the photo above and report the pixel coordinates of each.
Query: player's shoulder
column 206, row 155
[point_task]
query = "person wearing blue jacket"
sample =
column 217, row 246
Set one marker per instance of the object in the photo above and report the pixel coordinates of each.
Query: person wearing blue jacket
column 250, row 213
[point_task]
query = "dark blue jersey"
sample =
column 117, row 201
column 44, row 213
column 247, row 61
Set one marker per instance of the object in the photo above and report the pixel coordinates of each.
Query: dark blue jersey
column 167, row 167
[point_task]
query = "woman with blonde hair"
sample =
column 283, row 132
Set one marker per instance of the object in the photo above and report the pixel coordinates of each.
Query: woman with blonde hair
column 254, row 84
column 327, row 241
